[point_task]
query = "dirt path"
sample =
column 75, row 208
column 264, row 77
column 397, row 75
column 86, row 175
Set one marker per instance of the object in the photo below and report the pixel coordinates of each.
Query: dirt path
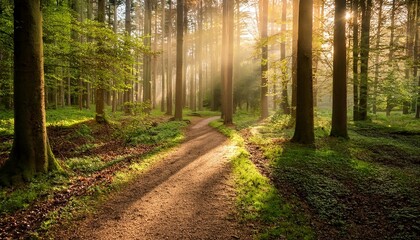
column 188, row 195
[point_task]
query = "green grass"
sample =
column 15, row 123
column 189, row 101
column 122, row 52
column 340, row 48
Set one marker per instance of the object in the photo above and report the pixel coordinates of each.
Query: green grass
column 257, row 199
column 377, row 165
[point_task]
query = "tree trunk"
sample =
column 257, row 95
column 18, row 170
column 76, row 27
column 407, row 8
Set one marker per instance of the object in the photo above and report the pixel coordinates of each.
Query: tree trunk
column 339, row 112
column 304, row 130
column 100, row 91
column 179, row 59
column 417, row 59
column 200, row 56
column 294, row 56
column 31, row 152
column 377, row 55
column 147, row 59
column 169, row 84
column 364, row 58
column 389, row 95
column 285, row 80
column 228, row 76
column 264, row 59
column 164, row 55
column 356, row 107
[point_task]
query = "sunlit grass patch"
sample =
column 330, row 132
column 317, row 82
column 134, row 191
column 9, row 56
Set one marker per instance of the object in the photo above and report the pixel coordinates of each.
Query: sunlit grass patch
column 258, row 200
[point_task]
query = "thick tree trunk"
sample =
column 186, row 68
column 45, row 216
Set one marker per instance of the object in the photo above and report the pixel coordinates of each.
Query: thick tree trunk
column 339, row 113
column 294, row 57
column 304, row 130
column 364, row 58
column 31, row 152
column 179, row 59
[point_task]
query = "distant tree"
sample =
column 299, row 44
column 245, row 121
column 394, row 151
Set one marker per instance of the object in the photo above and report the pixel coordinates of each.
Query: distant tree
column 31, row 152
column 264, row 58
column 339, row 111
column 304, row 130
column 179, row 59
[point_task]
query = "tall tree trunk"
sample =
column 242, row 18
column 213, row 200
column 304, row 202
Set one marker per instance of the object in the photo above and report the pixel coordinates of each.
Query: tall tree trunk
column 100, row 91
column 228, row 67
column 169, row 84
column 294, row 56
column 389, row 95
column 115, row 29
column 147, row 59
column 285, row 80
column 31, row 152
column 339, row 113
column 179, row 59
column 411, row 23
column 200, row 55
column 364, row 58
column 377, row 55
column 304, row 130
column 264, row 59
column 164, row 55
column 417, row 59
column 356, row 50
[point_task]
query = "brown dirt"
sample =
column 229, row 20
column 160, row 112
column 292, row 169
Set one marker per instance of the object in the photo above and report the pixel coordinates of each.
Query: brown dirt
column 187, row 195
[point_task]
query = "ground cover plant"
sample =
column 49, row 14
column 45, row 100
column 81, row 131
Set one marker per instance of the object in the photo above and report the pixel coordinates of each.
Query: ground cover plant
column 362, row 188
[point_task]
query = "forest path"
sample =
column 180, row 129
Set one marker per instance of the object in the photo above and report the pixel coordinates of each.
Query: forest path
column 188, row 195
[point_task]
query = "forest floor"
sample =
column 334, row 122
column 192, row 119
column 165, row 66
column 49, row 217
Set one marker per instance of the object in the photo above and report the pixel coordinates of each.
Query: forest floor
column 151, row 178
column 187, row 195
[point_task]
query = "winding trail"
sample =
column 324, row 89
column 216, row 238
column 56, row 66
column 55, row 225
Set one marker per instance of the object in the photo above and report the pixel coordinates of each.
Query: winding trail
column 187, row 195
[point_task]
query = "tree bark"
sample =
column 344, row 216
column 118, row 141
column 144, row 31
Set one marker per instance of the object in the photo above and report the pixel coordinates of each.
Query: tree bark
column 304, row 130
column 356, row 107
column 147, row 59
column 169, row 84
column 339, row 112
column 377, row 55
column 294, row 57
column 364, row 58
column 100, row 91
column 179, row 59
column 285, row 80
column 31, row 152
